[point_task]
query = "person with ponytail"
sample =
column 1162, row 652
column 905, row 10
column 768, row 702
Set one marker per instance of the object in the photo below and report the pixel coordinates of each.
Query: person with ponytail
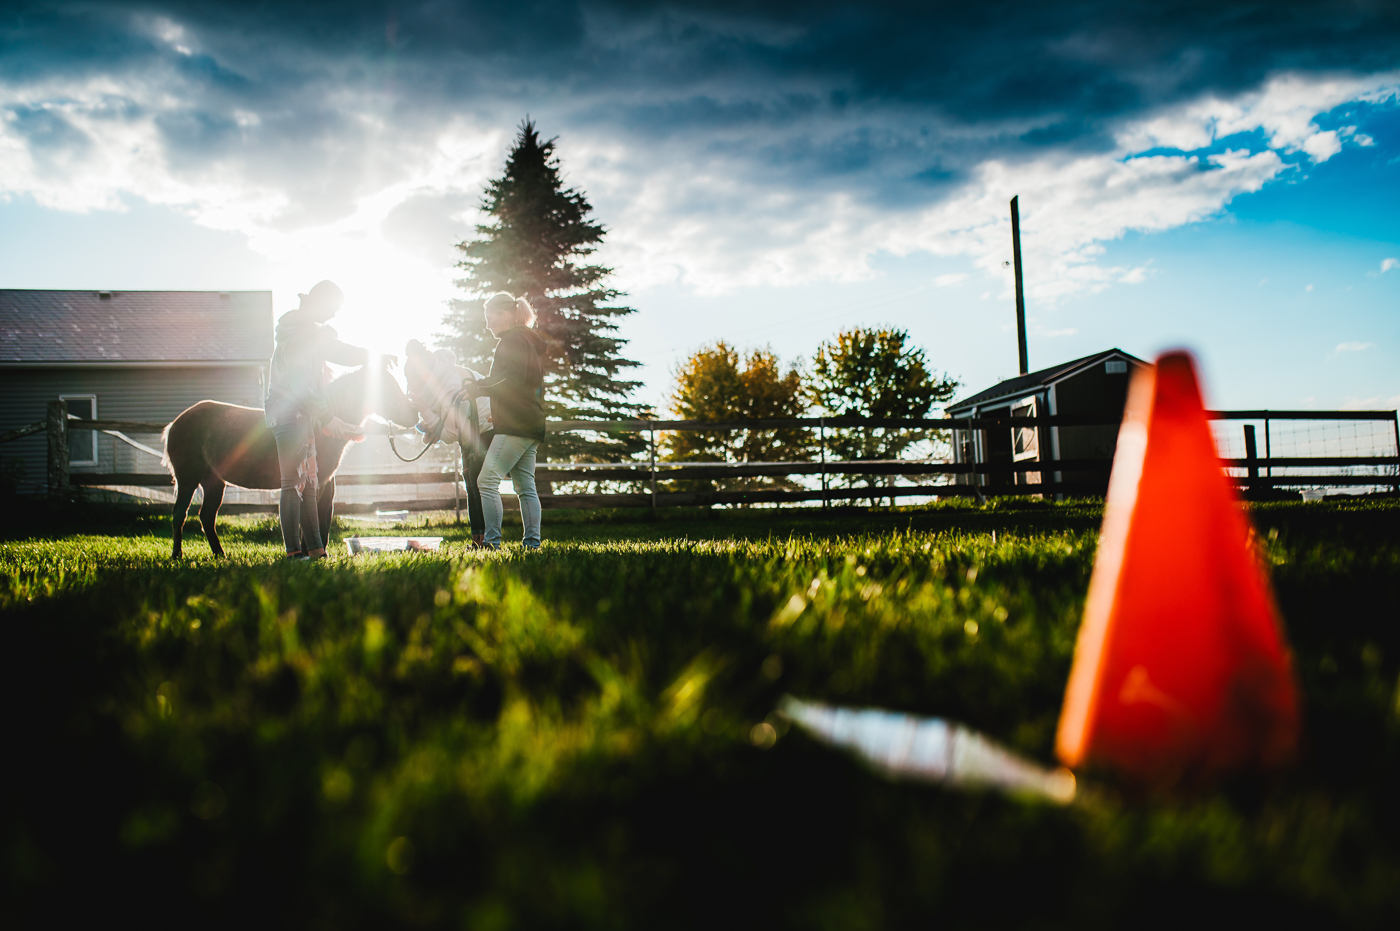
column 516, row 389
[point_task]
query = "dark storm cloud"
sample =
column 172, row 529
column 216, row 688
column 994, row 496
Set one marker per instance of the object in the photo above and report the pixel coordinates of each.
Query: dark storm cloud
column 48, row 132
column 898, row 99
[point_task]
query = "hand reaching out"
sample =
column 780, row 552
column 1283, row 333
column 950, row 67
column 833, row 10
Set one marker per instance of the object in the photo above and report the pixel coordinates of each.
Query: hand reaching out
column 343, row 431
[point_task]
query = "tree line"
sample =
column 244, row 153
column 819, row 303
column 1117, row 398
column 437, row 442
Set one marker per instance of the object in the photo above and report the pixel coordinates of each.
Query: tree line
column 870, row 372
column 538, row 240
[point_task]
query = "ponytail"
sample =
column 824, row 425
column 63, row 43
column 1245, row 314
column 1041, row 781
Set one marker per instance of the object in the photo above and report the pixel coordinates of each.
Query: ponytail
column 503, row 301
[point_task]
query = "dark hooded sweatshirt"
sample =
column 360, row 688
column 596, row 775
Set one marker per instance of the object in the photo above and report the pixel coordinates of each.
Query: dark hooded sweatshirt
column 296, row 381
column 516, row 384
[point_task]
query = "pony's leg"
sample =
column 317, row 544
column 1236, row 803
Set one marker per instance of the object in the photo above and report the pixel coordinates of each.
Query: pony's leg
column 209, row 510
column 326, row 510
column 471, row 468
column 184, row 491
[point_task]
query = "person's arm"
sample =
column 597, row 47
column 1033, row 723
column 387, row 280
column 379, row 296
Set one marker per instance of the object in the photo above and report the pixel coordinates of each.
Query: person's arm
column 508, row 365
column 333, row 350
column 345, row 354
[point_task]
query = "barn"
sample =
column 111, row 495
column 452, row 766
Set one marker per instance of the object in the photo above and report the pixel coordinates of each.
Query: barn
column 1093, row 388
column 122, row 355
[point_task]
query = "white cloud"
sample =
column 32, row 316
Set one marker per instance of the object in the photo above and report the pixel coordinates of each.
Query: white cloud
column 1070, row 205
column 1321, row 145
column 393, row 285
column 707, row 222
column 1353, row 346
column 1284, row 108
column 1374, row 403
column 1388, row 264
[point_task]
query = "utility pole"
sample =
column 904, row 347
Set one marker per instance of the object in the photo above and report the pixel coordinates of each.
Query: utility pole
column 1020, row 289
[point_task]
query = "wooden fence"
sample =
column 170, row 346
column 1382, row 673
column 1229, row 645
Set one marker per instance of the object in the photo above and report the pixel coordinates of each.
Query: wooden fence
column 962, row 479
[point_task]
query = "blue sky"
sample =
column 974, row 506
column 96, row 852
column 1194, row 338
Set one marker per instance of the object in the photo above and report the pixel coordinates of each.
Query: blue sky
column 770, row 173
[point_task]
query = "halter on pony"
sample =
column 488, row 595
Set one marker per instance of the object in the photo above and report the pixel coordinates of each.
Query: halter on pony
column 443, row 392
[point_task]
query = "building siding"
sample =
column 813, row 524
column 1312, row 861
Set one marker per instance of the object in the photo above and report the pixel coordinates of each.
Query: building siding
column 148, row 394
column 1091, row 393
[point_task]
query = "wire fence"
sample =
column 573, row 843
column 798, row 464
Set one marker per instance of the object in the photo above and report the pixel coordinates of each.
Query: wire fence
column 1311, row 451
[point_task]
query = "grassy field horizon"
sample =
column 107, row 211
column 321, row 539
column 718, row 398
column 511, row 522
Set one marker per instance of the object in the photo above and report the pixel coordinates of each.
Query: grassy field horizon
column 514, row 739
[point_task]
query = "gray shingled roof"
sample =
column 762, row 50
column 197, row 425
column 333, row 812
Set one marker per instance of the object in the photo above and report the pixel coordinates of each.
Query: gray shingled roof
column 135, row 326
column 1022, row 384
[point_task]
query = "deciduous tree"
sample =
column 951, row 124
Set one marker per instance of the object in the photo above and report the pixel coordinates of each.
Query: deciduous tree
column 876, row 373
column 720, row 383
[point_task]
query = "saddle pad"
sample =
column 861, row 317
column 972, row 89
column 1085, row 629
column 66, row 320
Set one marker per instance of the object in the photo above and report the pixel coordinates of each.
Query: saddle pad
column 392, row 544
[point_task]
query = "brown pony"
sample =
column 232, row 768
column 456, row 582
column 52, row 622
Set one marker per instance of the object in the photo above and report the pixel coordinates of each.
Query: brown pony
column 213, row 444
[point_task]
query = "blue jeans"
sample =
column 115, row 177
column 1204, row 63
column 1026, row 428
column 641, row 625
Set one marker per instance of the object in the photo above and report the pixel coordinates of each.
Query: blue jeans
column 297, row 508
column 513, row 456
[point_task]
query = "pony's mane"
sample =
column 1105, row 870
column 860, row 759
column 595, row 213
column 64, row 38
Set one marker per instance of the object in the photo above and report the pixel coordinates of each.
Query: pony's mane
column 337, row 391
column 342, row 393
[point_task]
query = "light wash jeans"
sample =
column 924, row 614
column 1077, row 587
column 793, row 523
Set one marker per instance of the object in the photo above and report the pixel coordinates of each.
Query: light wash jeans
column 513, row 456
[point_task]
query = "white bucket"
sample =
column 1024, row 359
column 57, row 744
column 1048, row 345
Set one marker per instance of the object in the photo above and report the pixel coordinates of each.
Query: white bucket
column 392, row 544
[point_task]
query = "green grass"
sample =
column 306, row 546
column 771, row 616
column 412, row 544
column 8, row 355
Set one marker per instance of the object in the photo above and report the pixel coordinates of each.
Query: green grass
column 562, row 738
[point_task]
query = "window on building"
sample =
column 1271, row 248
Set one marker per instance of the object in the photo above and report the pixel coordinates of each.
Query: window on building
column 1025, row 442
column 82, row 444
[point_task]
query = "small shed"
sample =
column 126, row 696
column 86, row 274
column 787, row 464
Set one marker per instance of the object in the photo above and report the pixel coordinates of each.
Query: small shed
column 1092, row 387
column 122, row 355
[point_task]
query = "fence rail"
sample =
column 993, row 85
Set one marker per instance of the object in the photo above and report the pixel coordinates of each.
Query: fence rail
column 59, row 423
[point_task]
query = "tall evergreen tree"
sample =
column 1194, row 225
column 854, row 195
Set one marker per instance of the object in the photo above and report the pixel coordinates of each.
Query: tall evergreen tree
column 535, row 245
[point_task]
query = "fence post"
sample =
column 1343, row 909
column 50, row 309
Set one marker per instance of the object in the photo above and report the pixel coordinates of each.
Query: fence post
column 1251, row 456
column 651, row 445
column 56, row 422
column 1268, row 449
column 1395, row 421
column 821, row 434
column 457, row 483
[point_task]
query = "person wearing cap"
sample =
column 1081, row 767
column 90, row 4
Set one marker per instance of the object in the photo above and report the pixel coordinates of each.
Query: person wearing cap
column 296, row 408
column 516, row 389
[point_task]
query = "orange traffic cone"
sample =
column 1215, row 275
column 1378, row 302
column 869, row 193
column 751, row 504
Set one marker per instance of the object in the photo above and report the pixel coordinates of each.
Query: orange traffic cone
column 1180, row 671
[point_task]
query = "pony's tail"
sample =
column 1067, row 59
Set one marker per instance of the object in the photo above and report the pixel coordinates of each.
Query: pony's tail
column 165, row 446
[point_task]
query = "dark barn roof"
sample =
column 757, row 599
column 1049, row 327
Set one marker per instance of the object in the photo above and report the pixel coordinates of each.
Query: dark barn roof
column 67, row 327
column 1027, row 384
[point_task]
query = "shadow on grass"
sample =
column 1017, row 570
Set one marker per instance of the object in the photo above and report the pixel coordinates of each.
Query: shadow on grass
column 561, row 738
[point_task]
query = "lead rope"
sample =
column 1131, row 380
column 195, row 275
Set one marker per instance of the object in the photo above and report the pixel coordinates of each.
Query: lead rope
column 402, row 458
